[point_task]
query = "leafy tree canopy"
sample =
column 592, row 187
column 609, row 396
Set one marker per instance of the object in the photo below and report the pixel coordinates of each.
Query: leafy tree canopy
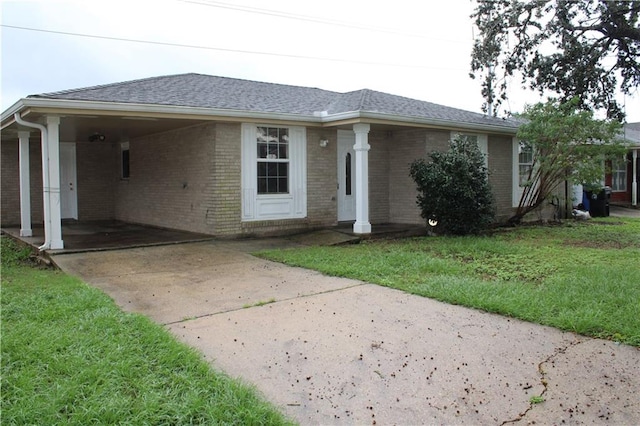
column 587, row 49
column 566, row 143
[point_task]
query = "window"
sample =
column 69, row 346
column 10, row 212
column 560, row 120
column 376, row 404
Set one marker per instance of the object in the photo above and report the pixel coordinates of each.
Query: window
column 273, row 160
column 525, row 163
column 274, row 167
column 522, row 163
column 480, row 139
column 347, row 168
column 124, row 160
column 619, row 175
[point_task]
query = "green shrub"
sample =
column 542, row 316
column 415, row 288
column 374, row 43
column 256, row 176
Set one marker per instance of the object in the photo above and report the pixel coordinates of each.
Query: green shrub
column 454, row 188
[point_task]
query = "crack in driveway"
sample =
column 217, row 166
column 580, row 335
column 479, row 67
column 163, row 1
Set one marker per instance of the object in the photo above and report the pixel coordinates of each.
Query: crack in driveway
column 259, row 305
column 543, row 378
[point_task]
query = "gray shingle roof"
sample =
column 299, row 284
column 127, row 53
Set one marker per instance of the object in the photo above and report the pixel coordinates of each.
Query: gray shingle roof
column 204, row 91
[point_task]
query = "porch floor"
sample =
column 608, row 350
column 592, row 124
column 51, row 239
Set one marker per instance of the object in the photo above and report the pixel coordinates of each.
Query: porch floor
column 113, row 235
column 108, row 235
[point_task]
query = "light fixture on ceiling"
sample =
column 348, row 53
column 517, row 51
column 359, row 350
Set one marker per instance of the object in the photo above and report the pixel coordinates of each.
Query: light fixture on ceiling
column 96, row 137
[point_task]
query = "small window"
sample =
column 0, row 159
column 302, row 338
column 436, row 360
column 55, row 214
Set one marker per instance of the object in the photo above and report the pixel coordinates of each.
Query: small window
column 619, row 176
column 347, row 169
column 525, row 163
column 124, row 161
column 273, row 160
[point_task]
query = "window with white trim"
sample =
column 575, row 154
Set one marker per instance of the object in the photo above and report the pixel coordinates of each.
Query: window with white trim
column 522, row 160
column 525, row 163
column 273, row 172
column 481, row 140
column 273, row 160
column 619, row 175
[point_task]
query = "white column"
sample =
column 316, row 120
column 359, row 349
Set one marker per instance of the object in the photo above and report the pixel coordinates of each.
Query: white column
column 25, row 185
column 53, row 143
column 634, row 182
column 362, row 225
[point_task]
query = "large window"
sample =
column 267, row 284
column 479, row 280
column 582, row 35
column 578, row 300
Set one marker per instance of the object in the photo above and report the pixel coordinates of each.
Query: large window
column 273, row 160
column 274, row 167
column 619, row 176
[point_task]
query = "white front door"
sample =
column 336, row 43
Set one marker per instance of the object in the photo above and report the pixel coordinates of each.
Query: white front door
column 68, row 190
column 346, row 176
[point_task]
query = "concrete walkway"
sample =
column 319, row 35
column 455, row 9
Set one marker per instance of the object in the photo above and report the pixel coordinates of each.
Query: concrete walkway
column 338, row 351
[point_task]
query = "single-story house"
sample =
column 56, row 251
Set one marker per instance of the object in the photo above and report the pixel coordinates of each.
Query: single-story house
column 230, row 157
column 622, row 176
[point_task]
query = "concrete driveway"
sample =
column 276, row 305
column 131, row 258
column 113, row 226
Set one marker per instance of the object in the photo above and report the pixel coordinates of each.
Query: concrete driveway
column 338, row 351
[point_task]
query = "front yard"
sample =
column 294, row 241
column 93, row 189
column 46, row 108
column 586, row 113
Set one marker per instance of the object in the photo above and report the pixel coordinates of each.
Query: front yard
column 71, row 356
column 581, row 277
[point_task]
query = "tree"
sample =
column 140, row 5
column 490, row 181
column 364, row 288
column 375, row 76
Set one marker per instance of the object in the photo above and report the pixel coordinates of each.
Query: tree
column 454, row 188
column 587, row 49
column 564, row 143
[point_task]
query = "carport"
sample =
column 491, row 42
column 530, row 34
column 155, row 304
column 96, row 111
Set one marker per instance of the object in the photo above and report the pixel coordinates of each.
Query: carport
column 107, row 235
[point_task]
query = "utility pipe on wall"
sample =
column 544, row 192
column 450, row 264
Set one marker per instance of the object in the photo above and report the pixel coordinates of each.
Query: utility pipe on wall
column 46, row 187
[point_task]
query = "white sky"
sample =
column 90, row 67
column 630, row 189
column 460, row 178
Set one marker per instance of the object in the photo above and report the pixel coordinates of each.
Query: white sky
column 414, row 48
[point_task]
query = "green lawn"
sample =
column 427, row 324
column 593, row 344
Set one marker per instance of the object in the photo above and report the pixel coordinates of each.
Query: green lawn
column 70, row 356
column 582, row 277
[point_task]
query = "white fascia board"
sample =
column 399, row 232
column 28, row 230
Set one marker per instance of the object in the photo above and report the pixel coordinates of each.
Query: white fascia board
column 427, row 122
column 10, row 112
column 186, row 112
column 152, row 109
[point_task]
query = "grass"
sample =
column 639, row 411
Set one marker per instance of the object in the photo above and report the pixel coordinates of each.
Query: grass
column 70, row 356
column 259, row 303
column 581, row 277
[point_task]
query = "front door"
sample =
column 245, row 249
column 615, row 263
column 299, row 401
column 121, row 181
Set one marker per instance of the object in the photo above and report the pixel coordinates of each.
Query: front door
column 68, row 190
column 346, row 176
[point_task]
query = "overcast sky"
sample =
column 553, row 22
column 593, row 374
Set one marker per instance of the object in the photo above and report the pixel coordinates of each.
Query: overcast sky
column 414, row 48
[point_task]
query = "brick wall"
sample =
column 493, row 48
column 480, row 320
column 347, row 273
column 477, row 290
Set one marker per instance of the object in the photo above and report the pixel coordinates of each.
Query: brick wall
column 379, row 177
column 223, row 207
column 501, row 174
column 170, row 181
column 409, row 145
column 322, row 178
column 10, row 175
column 10, row 182
column 98, row 167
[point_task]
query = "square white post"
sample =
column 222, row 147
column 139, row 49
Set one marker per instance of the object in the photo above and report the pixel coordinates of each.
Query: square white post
column 53, row 142
column 25, row 185
column 361, row 148
column 634, row 182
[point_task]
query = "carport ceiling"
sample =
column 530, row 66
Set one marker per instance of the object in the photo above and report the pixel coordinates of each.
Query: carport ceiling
column 117, row 129
column 79, row 128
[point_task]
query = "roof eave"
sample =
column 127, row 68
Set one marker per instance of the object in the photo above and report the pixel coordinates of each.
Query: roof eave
column 418, row 121
column 66, row 106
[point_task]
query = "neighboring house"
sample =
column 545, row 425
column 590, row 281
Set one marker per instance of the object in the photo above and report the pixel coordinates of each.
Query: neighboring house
column 623, row 175
column 230, row 157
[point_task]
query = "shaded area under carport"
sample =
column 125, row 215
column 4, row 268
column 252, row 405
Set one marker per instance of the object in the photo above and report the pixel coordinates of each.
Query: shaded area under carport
column 108, row 235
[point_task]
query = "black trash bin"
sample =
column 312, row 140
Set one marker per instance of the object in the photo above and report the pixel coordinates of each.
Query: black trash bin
column 599, row 202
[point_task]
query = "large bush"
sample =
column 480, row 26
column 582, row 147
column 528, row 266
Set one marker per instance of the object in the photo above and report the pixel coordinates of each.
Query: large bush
column 454, row 188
